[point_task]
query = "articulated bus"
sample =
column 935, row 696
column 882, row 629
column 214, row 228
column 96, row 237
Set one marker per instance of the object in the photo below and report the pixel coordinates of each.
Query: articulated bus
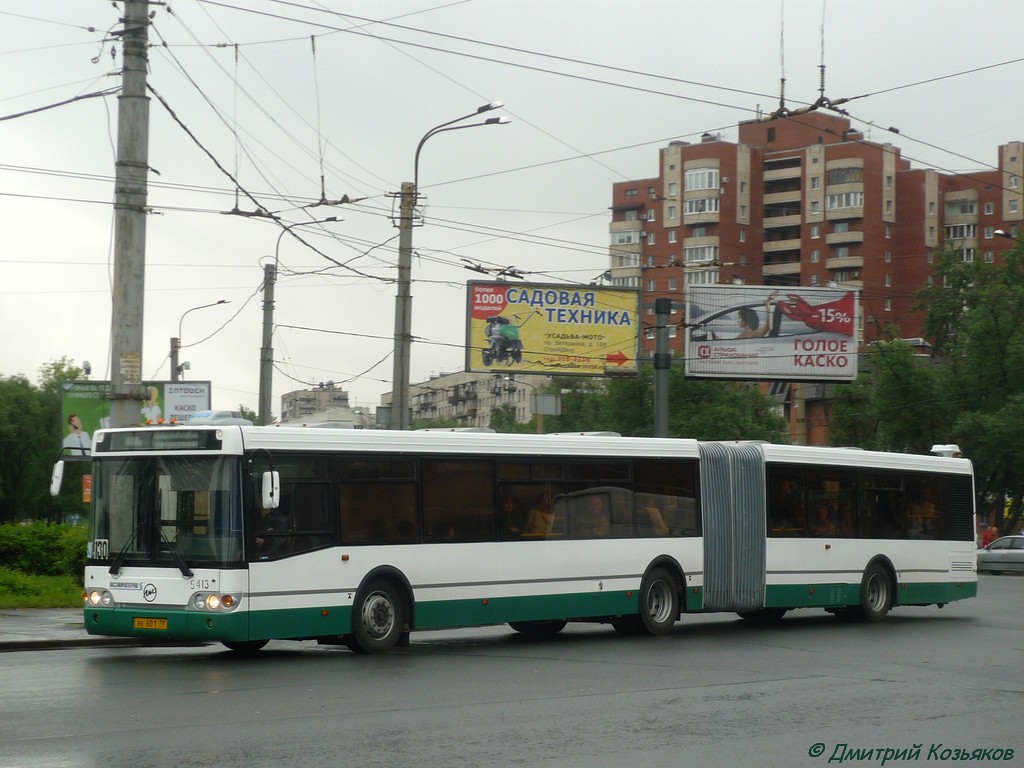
column 240, row 534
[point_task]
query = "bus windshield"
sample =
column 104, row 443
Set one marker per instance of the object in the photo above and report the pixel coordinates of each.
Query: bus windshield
column 168, row 510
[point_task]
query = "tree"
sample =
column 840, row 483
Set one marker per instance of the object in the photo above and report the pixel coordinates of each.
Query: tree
column 971, row 393
column 698, row 408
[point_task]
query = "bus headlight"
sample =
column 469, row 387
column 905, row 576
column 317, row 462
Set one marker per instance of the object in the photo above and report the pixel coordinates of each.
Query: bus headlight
column 99, row 597
column 209, row 601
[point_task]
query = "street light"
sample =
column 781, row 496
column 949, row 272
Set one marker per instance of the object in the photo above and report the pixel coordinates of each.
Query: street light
column 403, row 300
column 267, row 351
column 1008, row 236
column 176, row 340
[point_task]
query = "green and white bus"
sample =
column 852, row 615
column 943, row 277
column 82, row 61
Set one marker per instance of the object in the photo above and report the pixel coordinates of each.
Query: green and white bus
column 241, row 534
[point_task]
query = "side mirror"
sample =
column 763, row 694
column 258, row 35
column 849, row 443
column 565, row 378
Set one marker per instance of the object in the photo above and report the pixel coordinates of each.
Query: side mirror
column 271, row 490
column 56, row 477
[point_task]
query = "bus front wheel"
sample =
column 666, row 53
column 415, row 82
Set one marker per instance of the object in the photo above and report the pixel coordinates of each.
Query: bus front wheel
column 659, row 602
column 378, row 618
column 875, row 593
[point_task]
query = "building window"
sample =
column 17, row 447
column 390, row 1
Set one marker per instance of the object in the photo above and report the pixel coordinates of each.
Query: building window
column 671, row 187
column 931, row 208
column 990, row 257
column 698, row 231
column 841, row 226
column 888, row 231
column 627, row 237
column 743, row 187
column 651, row 215
column 888, row 257
column 961, row 207
column 1014, row 181
column 815, row 182
column 842, row 251
column 702, row 277
column 743, row 211
column 990, row 232
column 815, row 256
column 967, row 255
column 844, row 176
column 845, row 200
column 815, row 206
column 771, row 135
column 650, row 286
column 702, row 178
column 990, row 208
column 743, row 235
column 701, row 253
column 630, row 216
column 672, row 236
column 673, row 284
column 673, row 212
column 961, row 231
column 815, row 279
column 630, row 193
column 888, row 206
column 701, row 205
column 815, row 232
column 1014, row 206
column 888, row 305
column 650, row 238
column 888, row 280
column 888, row 182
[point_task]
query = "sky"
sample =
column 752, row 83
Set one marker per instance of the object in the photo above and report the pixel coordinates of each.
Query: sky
column 284, row 104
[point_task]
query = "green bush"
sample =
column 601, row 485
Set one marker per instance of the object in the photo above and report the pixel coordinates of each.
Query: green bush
column 44, row 550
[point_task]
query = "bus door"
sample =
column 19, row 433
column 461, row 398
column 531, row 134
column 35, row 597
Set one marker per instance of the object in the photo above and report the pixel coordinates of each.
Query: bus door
column 732, row 498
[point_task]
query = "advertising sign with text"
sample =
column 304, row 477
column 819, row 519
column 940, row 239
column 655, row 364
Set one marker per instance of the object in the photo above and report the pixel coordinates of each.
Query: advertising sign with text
column 86, row 407
column 764, row 332
column 550, row 329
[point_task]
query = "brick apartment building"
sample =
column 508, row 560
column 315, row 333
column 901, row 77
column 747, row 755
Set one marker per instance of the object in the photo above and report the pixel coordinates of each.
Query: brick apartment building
column 804, row 201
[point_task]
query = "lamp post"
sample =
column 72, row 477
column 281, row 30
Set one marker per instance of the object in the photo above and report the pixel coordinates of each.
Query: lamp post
column 266, row 350
column 400, row 418
column 176, row 340
column 1007, row 235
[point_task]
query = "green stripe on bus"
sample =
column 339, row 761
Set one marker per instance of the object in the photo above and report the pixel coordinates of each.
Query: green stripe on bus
column 501, row 610
column 834, row 595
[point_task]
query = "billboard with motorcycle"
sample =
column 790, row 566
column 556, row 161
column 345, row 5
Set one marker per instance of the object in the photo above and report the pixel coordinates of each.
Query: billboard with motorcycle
column 550, row 329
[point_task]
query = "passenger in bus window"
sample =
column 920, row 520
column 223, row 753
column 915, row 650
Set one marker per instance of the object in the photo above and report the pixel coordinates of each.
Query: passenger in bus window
column 511, row 517
column 539, row 521
column 824, row 525
column 593, row 520
column 787, row 507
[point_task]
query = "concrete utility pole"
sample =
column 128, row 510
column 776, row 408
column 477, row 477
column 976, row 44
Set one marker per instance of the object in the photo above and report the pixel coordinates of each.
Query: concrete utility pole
column 130, row 190
column 662, row 363
column 175, row 346
column 267, row 351
column 403, row 311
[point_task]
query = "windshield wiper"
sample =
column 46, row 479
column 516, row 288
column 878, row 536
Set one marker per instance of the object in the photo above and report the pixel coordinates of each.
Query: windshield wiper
column 173, row 549
column 115, row 566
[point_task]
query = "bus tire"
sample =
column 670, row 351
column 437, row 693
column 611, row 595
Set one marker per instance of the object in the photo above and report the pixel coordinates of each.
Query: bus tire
column 875, row 593
column 538, row 629
column 659, row 602
column 244, row 646
column 378, row 618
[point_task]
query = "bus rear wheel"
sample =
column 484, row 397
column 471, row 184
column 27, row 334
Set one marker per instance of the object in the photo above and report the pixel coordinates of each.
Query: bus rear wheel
column 659, row 602
column 875, row 593
column 378, row 618
column 538, row 628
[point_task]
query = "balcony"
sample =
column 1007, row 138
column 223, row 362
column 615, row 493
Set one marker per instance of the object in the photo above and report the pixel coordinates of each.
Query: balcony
column 776, row 174
column 782, row 268
column 775, row 198
column 774, row 222
column 775, row 246
column 843, row 238
column 844, row 262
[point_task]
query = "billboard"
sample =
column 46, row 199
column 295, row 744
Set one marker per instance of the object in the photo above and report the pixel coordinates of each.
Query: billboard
column 550, row 329
column 85, row 407
column 765, row 332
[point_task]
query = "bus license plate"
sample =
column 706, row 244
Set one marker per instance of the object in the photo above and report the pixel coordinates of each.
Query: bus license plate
column 141, row 623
